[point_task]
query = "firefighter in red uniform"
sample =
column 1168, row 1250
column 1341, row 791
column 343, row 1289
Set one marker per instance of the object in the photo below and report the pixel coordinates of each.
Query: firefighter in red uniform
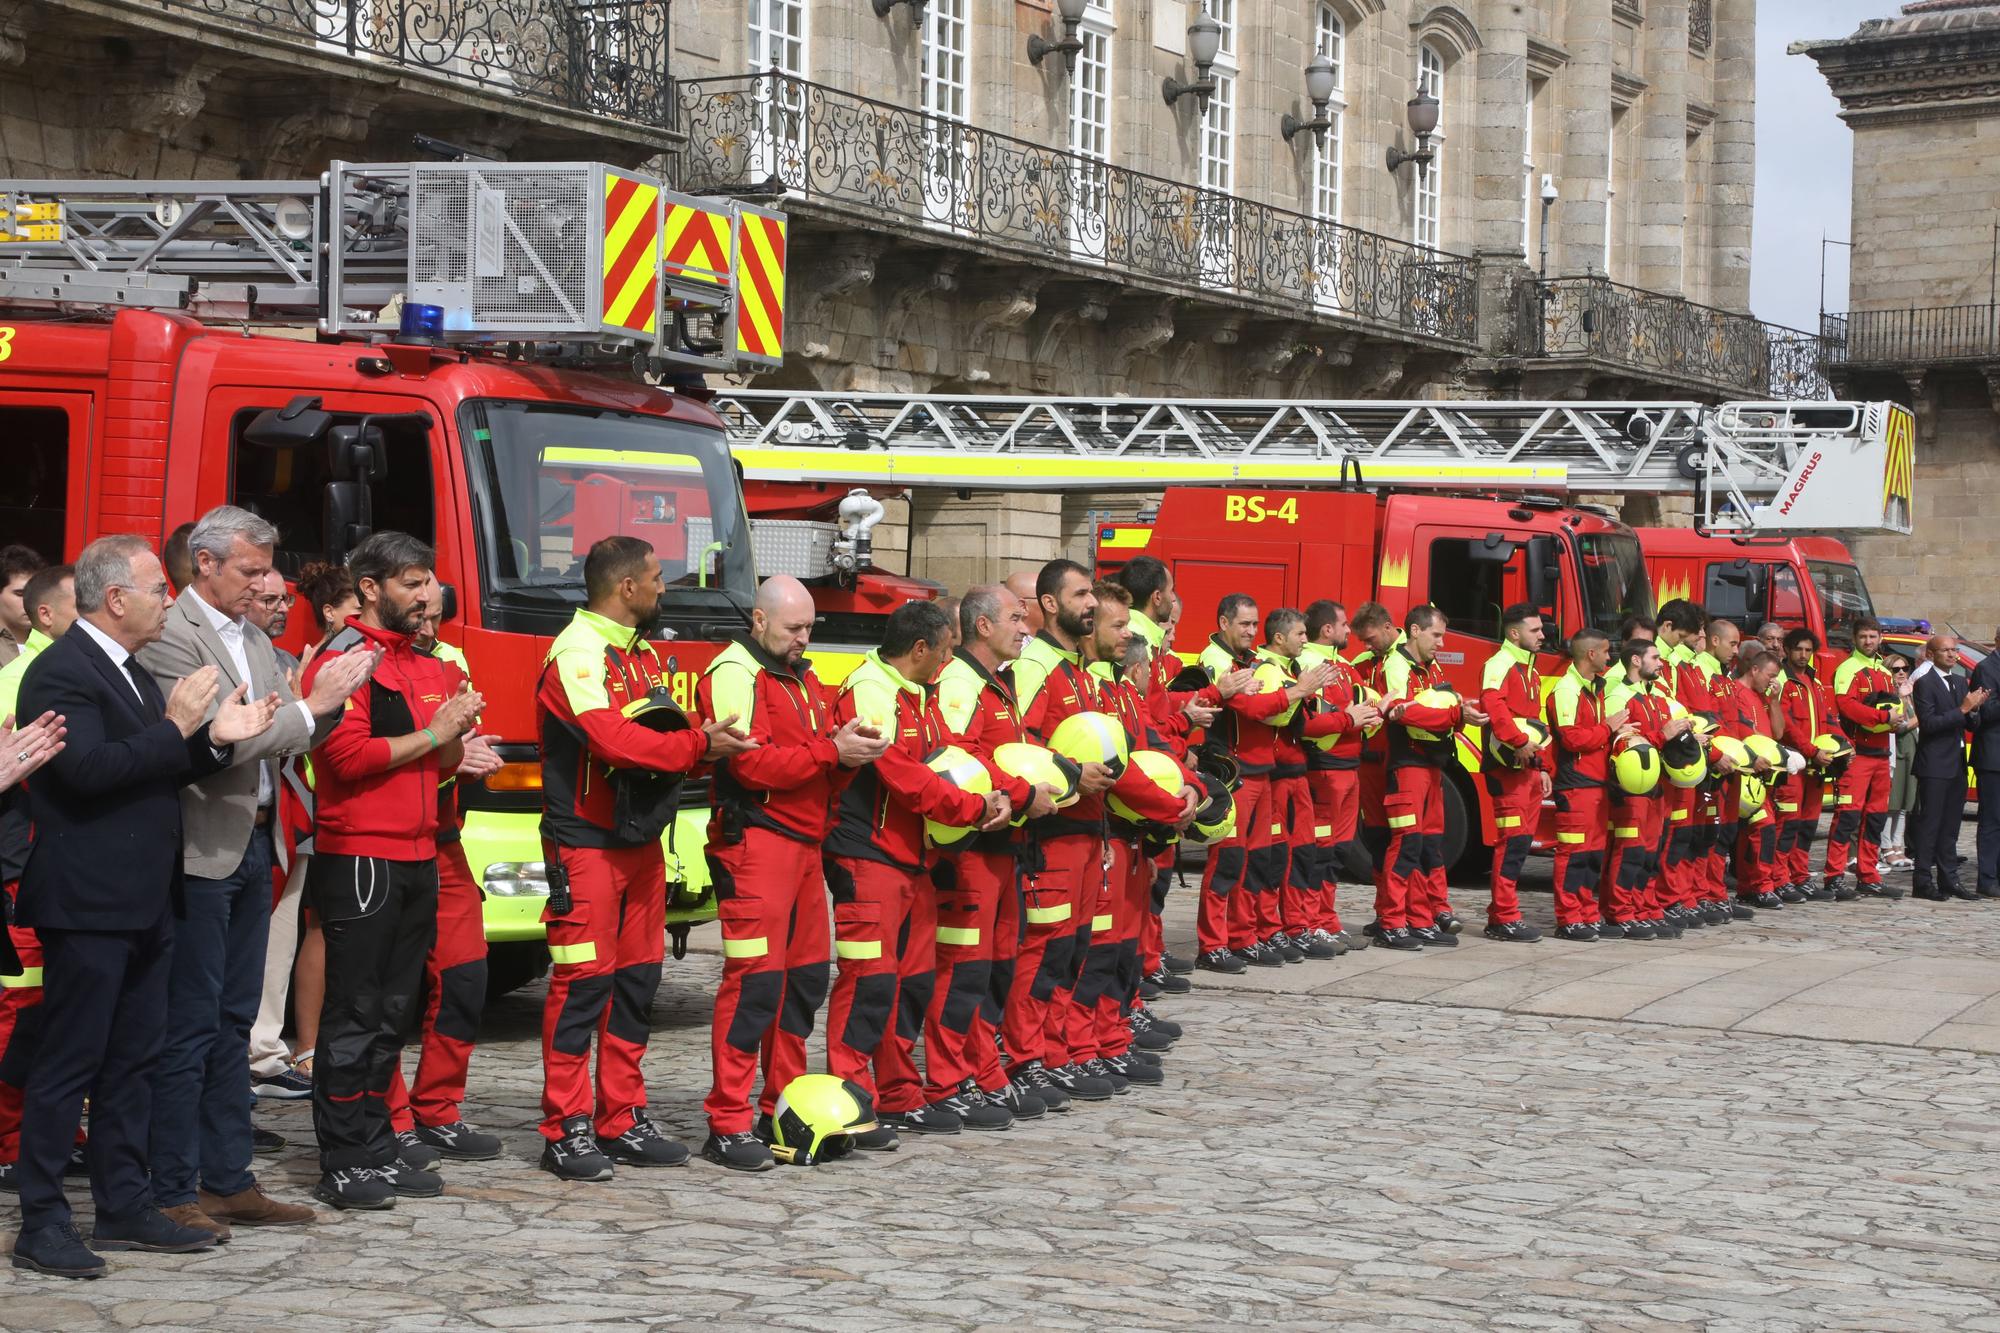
column 1379, row 638
column 611, row 764
column 1245, row 873
column 428, row 1117
column 774, row 807
column 1809, row 712
column 1631, row 892
column 1869, row 709
column 878, row 871
column 373, row 882
column 1333, row 763
column 1584, row 730
column 1064, row 874
column 1514, row 767
column 1746, row 712
column 1717, row 662
column 1410, row 907
column 979, row 899
column 1299, row 906
column 1689, row 811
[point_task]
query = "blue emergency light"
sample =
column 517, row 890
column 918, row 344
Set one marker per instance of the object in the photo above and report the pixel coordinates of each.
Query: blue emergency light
column 422, row 323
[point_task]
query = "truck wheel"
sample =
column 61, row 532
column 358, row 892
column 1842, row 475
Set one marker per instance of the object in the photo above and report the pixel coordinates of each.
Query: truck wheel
column 1464, row 854
column 513, row 964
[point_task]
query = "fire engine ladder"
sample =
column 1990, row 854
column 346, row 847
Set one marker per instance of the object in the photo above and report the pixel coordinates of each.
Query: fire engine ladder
column 506, row 252
column 1737, row 459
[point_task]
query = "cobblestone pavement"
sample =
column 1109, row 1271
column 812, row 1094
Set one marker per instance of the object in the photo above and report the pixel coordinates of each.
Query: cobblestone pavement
column 1783, row 1125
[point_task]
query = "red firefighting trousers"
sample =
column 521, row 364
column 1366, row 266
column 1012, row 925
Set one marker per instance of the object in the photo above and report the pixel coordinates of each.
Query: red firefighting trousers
column 20, row 1034
column 1411, row 892
column 974, row 942
column 1238, row 870
column 1109, row 986
column 1299, row 896
column 1798, row 812
column 1626, row 890
column 1580, row 837
column 607, row 953
column 1517, row 810
column 1863, row 812
column 1035, row 1021
column 454, row 999
column 1755, row 847
column 885, row 938
column 1152, row 930
column 1336, row 799
column 1093, row 945
column 770, row 900
column 1678, row 882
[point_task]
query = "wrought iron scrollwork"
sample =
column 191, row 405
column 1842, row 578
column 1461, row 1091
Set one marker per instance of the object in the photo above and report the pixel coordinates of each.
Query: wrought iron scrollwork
column 1701, row 24
column 1653, row 333
column 604, row 57
column 778, row 134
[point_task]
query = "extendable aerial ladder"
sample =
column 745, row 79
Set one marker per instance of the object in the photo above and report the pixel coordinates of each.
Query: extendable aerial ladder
column 1755, row 468
column 605, row 261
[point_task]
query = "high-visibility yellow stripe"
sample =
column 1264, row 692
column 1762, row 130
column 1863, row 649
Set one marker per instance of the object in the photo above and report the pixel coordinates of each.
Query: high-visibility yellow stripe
column 1624, row 833
column 857, row 948
column 1788, row 809
column 1098, row 923
column 768, row 463
column 1402, row 821
column 961, row 935
column 25, row 978
column 757, row 948
column 1506, row 821
column 643, row 458
column 1322, row 830
column 1845, row 800
column 1677, row 816
column 1573, row 837
column 1277, row 828
column 1048, row 916
column 1760, row 816
column 585, row 952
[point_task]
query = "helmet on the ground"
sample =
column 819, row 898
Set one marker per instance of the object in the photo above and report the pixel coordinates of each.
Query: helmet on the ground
column 1728, row 747
column 1437, row 696
column 1215, row 817
column 817, row 1117
column 966, row 773
column 1763, row 747
column 1538, row 732
column 1092, row 738
column 1637, row 767
column 1750, row 794
column 1157, row 768
column 1830, row 747
column 1271, row 678
column 1037, row 766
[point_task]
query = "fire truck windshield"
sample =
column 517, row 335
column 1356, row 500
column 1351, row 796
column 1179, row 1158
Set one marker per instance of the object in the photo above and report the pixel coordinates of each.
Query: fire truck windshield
column 1613, row 579
column 551, row 479
column 1843, row 599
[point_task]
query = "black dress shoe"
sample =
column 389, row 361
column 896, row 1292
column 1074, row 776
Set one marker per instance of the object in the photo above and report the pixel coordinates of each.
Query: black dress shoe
column 58, row 1251
column 150, row 1230
column 1988, row 890
column 1224, row 961
column 1928, row 894
column 1512, row 932
column 1577, row 932
column 1400, row 938
column 1435, row 938
column 1960, row 892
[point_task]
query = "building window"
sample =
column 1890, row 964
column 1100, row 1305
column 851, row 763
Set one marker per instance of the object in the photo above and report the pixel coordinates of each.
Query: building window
column 778, row 42
column 1090, row 130
column 1329, row 40
column 943, row 90
column 1612, row 218
column 1218, row 152
column 1528, row 172
column 1429, row 209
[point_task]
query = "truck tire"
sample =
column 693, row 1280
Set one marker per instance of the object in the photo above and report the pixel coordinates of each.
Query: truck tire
column 513, row 964
column 1465, row 855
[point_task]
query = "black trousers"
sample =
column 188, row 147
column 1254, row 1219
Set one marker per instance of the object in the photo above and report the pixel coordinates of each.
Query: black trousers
column 1934, row 828
column 1989, row 827
column 104, row 1007
column 379, row 918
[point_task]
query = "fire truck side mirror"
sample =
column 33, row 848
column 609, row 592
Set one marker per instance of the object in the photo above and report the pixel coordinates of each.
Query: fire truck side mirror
column 1544, row 571
column 448, row 600
column 348, row 517
column 293, row 426
column 355, row 453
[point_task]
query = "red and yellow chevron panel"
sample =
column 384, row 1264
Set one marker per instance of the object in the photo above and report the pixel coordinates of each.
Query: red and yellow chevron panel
column 1899, row 471
column 697, row 244
column 631, row 253
column 760, row 284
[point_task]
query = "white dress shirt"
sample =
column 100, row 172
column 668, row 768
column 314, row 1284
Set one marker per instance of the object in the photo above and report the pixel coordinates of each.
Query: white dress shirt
column 119, row 657
column 230, row 631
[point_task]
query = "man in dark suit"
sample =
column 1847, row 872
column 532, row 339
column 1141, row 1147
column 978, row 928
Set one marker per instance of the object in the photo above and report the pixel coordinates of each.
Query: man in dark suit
column 1945, row 709
column 1986, row 766
column 102, row 882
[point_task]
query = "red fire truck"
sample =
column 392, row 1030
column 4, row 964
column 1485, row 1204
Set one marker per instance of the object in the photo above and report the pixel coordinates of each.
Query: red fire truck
column 1809, row 582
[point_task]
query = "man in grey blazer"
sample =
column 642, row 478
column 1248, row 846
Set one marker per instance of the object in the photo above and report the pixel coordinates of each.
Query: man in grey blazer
column 201, row 1131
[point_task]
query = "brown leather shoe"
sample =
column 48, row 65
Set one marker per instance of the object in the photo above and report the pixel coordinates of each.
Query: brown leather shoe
column 195, row 1216
column 254, row 1208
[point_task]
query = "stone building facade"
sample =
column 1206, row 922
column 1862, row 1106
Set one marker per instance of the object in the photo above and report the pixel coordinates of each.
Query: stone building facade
column 1921, row 91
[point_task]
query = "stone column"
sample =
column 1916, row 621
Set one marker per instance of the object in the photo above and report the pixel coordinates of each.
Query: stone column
column 1662, row 168
column 1498, row 126
column 1734, row 174
column 1584, row 121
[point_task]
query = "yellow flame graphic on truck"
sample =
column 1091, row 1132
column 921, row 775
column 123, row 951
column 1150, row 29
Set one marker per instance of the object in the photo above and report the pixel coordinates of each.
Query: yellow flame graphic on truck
column 1396, row 571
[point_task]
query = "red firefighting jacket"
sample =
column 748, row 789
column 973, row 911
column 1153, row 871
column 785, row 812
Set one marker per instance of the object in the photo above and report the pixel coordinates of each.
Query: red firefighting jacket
column 1576, row 714
column 882, row 811
column 1125, row 701
column 1689, row 682
column 1242, row 726
column 1867, row 724
column 1404, row 678
column 1051, row 683
column 1745, row 712
column 1511, row 688
column 364, row 807
column 1810, row 709
column 1342, row 688
column 451, row 821
column 789, row 783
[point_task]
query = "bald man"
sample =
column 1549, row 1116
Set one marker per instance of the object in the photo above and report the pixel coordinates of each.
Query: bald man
column 773, row 810
column 1022, row 584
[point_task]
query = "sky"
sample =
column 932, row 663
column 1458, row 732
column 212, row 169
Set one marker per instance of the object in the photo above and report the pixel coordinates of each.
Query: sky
column 1805, row 158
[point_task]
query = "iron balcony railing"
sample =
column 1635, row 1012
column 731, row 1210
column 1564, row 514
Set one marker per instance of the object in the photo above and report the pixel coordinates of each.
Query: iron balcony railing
column 1913, row 337
column 602, row 57
column 1701, row 24
column 876, row 161
column 1653, row 333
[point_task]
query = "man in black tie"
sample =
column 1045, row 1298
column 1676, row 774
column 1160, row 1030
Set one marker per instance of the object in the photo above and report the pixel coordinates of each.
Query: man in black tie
column 102, row 882
column 1945, row 709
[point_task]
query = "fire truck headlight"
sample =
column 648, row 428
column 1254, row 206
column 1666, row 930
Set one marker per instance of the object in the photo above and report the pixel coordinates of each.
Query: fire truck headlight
column 517, row 879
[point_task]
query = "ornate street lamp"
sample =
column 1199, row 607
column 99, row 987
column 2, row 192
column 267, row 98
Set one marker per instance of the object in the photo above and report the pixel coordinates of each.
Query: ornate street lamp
column 1204, row 44
column 1321, row 77
column 1423, row 112
column 1071, row 14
